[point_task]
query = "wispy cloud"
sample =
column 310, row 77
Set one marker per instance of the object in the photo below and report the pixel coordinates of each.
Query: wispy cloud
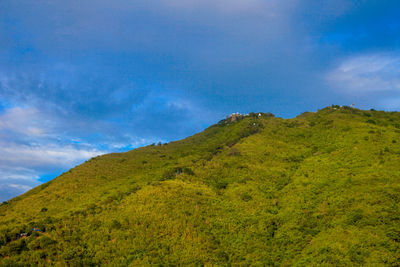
column 30, row 146
column 369, row 78
column 8, row 190
column 367, row 74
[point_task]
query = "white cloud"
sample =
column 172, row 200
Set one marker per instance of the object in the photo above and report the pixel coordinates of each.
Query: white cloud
column 37, row 160
column 16, row 180
column 12, row 154
column 7, row 192
column 30, row 147
column 20, row 187
column 22, row 120
column 373, row 73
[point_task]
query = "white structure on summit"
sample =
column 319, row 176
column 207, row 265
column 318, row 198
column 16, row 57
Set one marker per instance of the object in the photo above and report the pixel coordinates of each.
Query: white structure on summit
column 235, row 116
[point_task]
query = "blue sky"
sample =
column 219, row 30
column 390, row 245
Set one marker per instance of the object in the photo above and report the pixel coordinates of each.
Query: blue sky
column 83, row 78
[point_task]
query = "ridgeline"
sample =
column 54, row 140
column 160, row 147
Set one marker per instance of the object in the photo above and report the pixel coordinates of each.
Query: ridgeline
column 319, row 189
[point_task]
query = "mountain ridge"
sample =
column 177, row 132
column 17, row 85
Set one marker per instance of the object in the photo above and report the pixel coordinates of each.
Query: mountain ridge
column 318, row 189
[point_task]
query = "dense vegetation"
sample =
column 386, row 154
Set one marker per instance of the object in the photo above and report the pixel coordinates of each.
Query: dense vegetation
column 320, row 189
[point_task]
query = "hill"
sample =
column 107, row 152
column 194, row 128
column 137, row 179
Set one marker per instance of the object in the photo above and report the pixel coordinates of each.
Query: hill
column 319, row 189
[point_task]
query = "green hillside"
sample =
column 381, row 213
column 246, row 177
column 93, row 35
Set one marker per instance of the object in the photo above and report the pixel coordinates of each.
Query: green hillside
column 319, row 189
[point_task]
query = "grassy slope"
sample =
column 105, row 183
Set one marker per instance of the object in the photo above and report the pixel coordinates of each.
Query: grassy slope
column 322, row 188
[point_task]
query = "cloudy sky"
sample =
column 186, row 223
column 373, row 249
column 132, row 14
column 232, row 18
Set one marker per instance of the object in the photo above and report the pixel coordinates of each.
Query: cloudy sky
column 80, row 78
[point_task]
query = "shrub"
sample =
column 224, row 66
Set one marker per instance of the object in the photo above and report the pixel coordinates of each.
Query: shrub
column 34, row 243
column 215, row 150
column 355, row 216
column 134, row 189
column 232, row 142
column 169, row 175
column 246, row 197
column 13, row 248
column 393, row 233
column 173, row 172
column 115, row 224
column 253, row 128
column 367, row 114
column 357, row 254
column 282, row 182
column 291, row 124
column 221, row 185
column 43, row 210
column 188, row 171
column 295, row 158
column 234, row 152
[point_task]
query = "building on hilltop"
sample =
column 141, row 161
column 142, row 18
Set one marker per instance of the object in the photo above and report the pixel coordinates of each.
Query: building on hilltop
column 235, row 116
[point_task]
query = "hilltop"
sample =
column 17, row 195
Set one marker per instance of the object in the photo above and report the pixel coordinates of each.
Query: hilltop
column 319, row 189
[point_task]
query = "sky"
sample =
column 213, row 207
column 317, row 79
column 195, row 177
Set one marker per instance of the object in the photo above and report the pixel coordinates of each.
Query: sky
column 81, row 78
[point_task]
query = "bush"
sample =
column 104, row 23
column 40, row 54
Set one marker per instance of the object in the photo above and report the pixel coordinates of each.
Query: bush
column 221, row 185
column 291, row 124
column 34, row 243
column 169, row 175
column 172, row 173
column 355, row 216
column 357, row 254
column 393, row 233
column 188, row 171
column 234, row 152
column 115, row 224
column 246, row 197
column 13, row 248
column 282, row 182
column 367, row 114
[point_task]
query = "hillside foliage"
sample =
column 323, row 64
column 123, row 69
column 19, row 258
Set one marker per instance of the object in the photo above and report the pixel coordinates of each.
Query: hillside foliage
column 319, row 189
